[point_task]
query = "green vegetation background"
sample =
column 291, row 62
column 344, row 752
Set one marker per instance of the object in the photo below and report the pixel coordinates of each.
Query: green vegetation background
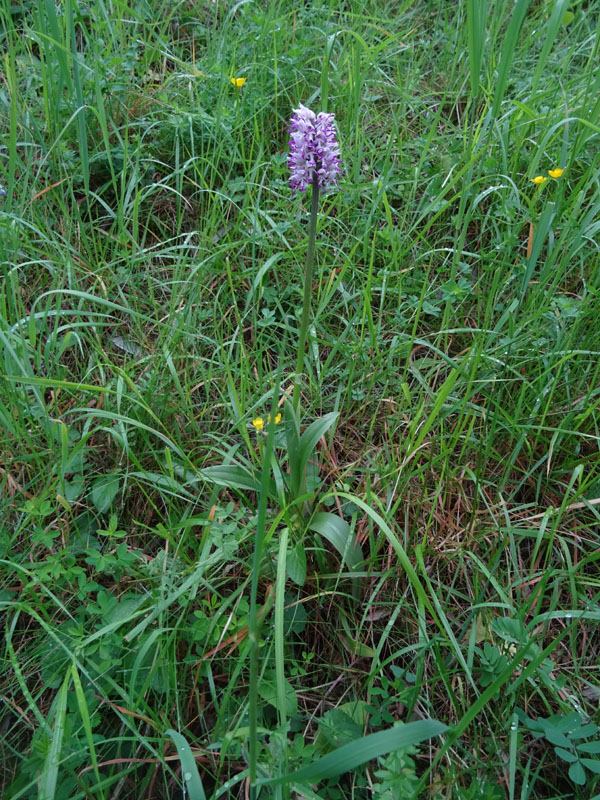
column 152, row 262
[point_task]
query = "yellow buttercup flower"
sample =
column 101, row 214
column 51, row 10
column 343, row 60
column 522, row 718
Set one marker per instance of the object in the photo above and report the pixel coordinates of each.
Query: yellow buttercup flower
column 238, row 82
column 259, row 422
column 555, row 173
column 539, row 179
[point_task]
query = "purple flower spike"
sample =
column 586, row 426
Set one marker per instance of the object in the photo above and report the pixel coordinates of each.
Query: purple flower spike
column 313, row 148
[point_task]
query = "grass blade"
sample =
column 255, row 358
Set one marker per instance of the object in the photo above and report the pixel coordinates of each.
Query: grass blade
column 476, row 17
column 353, row 755
column 508, row 50
column 85, row 719
column 189, row 770
column 49, row 776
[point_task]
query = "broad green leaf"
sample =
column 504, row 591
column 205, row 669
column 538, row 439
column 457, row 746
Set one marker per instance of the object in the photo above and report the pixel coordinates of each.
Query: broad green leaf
column 566, row 755
column 556, row 737
column 104, row 490
column 337, row 531
column 232, row 477
column 267, row 689
column 315, row 431
column 358, row 711
column 580, row 732
column 126, row 607
column 567, row 723
column 338, row 728
column 353, row 755
column 592, row 763
column 189, row 770
column 74, row 488
column 577, row 774
column 235, row 476
column 296, row 564
column 301, row 448
column 589, row 747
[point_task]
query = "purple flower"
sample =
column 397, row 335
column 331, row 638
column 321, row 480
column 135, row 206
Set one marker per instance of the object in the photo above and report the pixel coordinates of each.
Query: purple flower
column 313, row 149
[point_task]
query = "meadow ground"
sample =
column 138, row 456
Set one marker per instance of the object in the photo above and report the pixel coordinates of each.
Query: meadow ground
column 392, row 590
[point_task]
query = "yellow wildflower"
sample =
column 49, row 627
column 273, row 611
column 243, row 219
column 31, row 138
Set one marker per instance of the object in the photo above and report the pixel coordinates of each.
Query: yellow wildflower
column 555, row 173
column 259, row 422
column 539, row 179
column 238, row 82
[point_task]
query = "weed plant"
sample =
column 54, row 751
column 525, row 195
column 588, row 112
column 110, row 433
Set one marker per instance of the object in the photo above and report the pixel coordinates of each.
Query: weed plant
column 152, row 273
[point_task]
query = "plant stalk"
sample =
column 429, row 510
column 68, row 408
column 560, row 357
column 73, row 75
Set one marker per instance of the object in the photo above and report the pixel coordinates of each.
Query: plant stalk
column 254, row 622
column 308, row 278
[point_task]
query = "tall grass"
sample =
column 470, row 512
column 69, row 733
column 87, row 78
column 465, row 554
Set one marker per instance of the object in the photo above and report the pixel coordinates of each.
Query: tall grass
column 165, row 636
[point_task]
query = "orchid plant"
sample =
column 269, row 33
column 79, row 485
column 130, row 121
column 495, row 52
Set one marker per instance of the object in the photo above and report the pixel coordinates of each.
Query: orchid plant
column 314, row 161
column 282, row 451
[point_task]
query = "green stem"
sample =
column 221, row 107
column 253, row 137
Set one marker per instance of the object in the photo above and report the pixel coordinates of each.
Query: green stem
column 254, row 623
column 308, row 278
